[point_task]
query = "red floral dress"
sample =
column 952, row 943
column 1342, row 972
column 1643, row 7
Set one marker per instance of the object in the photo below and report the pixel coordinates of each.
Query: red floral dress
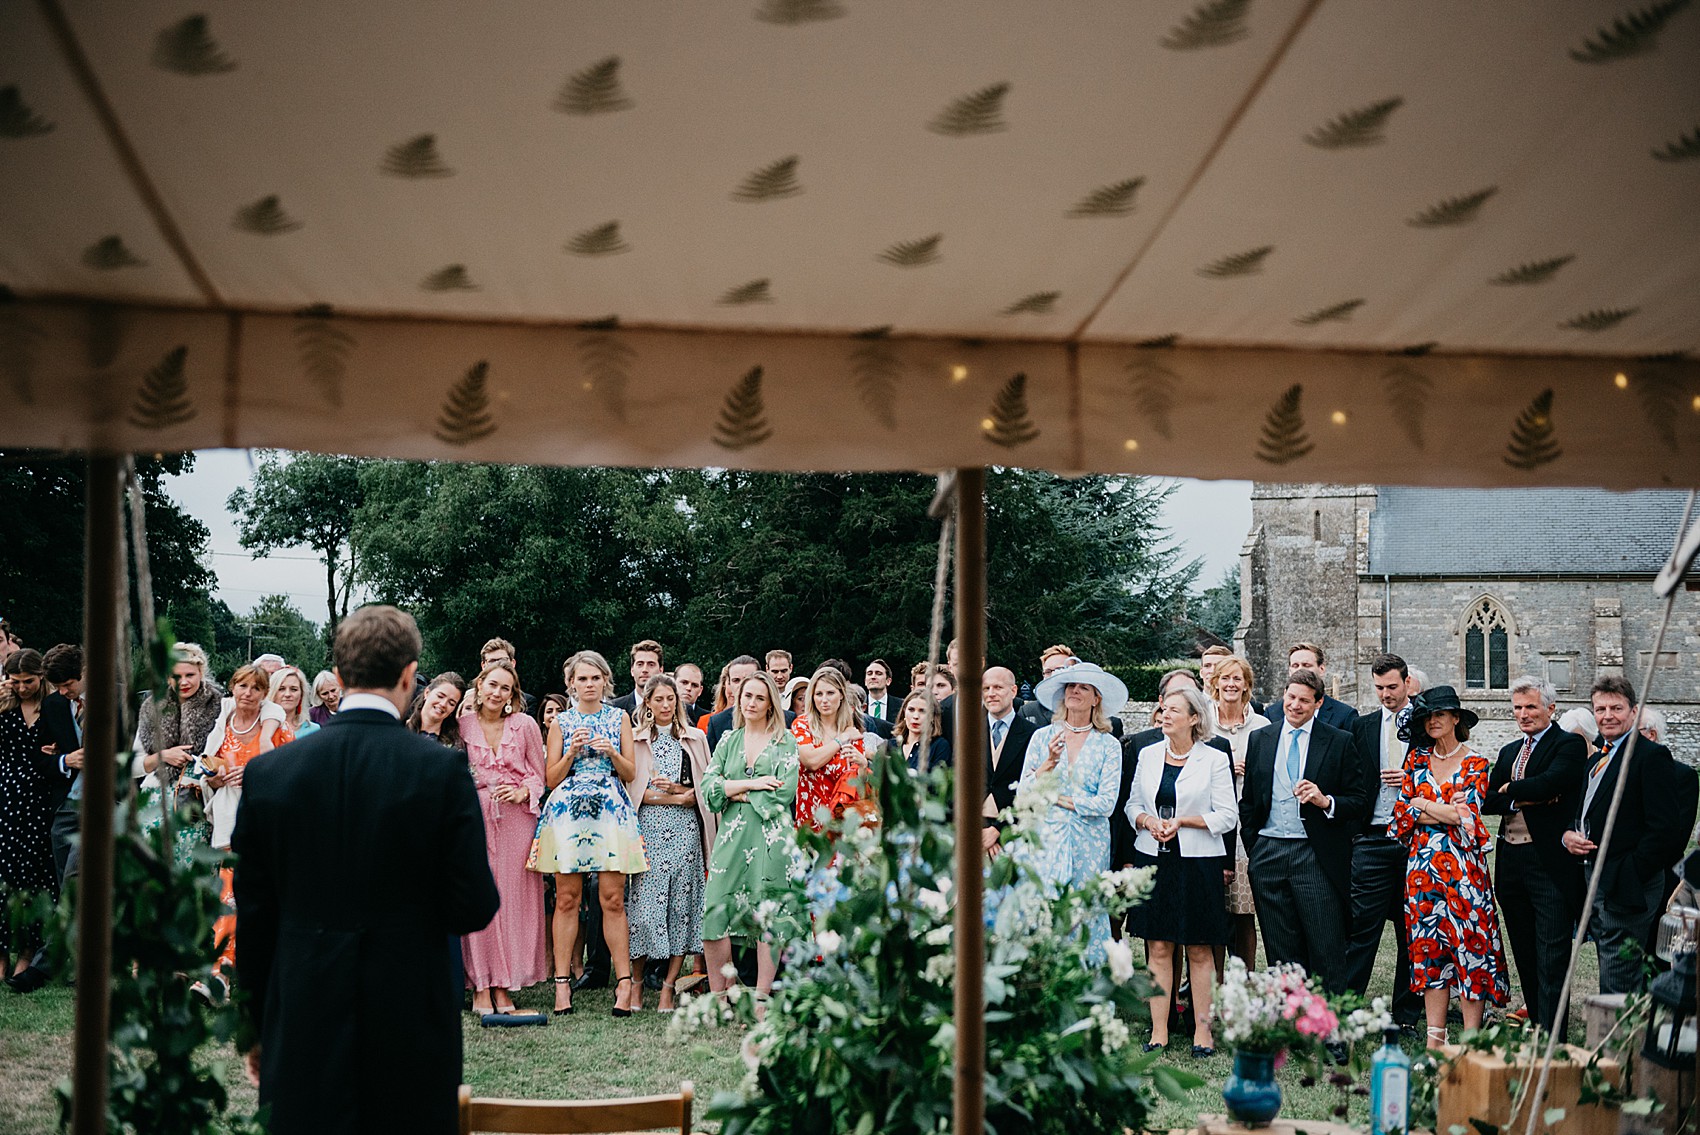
column 832, row 786
column 1449, row 908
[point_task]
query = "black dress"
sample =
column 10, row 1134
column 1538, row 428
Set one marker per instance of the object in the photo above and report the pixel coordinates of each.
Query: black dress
column 1188, row 905
column 27, row 804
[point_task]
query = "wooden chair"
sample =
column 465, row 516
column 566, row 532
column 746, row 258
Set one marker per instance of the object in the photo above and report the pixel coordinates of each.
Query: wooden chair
column 577, row 1117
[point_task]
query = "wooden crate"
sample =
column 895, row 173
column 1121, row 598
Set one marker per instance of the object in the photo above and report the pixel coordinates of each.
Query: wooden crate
column 1477, row 1085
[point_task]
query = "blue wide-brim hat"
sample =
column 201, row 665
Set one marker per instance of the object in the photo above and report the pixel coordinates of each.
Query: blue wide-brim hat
column 1111, row 688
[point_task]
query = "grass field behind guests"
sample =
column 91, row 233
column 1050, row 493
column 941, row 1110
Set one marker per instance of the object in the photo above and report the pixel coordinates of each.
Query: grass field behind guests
column 592, row 1054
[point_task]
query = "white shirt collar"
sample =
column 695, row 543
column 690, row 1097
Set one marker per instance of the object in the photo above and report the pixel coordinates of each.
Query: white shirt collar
column 1008, row 717
column 369, row 701
column 1385, row 712
column 1287, row 727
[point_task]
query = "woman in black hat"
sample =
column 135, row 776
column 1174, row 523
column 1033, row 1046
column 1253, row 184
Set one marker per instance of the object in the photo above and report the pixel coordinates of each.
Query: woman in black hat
column 1449, row 909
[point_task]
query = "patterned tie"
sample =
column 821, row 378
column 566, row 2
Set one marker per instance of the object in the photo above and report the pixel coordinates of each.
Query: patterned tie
column 1521, row 764
column 1295, row 760
column 998, row 729
column 1604, row 755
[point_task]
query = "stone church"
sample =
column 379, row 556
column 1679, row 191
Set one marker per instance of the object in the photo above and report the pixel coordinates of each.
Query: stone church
column 1475, row 587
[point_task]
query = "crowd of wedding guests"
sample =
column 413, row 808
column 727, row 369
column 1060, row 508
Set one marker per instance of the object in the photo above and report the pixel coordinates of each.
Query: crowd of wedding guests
column 633, row 836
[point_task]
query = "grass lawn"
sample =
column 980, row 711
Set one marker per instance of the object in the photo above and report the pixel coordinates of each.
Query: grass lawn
column 592, row 1054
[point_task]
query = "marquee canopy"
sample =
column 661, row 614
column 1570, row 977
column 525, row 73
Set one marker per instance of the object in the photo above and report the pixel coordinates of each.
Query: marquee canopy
column 1441, row 243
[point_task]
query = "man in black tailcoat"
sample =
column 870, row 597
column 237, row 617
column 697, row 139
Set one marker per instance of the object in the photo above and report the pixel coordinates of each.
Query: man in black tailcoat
column 360, row 859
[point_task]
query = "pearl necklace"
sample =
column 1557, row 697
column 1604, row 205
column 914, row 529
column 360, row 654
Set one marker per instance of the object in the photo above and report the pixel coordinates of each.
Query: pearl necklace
column 1446, row 756
column 1077, row 728
column 251, row 726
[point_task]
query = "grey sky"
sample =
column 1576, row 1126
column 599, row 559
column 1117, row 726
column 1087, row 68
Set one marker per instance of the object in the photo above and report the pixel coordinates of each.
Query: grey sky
column 1208, row 518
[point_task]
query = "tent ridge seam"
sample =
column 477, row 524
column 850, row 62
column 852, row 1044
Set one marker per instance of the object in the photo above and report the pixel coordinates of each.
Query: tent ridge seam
column 83, row 71
column 1197, row 175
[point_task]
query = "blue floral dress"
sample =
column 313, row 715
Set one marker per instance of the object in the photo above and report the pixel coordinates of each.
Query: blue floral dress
column 588, row 822
column 1074, row 846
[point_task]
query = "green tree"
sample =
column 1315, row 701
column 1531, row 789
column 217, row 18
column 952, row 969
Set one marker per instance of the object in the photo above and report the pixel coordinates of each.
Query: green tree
column 278, row 628
column 41, row 530
column 304, row 499
column 1217, row 609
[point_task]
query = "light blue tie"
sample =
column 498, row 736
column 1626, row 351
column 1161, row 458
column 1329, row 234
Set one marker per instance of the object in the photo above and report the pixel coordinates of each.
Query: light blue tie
column 1295, row 761
column 998, row 728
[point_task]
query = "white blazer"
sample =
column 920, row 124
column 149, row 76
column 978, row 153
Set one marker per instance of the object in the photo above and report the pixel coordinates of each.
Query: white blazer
column 1205, row 788
column 222, row 802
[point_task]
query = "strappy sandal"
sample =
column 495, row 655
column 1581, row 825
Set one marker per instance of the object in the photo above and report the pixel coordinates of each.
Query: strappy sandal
column 617, row 1011
column 568, row 982
column 1437, row 1036
column 668, row 988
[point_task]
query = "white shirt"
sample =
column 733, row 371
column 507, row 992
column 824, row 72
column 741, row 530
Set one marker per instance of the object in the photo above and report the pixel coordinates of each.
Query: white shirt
column 880, row 707
column 1393, row 753
column 369, row 701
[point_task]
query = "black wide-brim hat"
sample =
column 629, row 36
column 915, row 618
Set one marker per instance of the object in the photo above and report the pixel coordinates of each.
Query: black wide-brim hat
column 1432, row 701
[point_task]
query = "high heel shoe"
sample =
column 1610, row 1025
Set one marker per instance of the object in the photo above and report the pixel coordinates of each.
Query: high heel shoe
column 1437, row 1036
column 568, row 982
column 617, row 1011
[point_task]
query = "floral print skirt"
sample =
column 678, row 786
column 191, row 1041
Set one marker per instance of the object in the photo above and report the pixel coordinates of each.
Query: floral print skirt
column 588, row 824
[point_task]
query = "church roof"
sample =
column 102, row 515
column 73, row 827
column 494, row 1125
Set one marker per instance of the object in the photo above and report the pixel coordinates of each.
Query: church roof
column 1499, row 532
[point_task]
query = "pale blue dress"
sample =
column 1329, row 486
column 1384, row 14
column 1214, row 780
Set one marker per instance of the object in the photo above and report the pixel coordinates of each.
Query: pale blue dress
column 1074, row 846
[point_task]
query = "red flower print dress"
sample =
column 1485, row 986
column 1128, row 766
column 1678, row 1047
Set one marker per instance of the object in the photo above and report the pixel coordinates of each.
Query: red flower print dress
column 832, row 786
column 1449, row 909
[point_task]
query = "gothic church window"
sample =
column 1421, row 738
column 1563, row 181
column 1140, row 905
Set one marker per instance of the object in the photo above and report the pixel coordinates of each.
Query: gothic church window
column 1487, row 647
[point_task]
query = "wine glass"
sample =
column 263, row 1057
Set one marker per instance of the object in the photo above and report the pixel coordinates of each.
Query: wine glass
column 1166, row 812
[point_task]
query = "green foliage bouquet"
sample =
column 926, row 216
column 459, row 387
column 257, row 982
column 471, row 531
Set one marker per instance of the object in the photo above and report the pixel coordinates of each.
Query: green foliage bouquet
column 859, row 1036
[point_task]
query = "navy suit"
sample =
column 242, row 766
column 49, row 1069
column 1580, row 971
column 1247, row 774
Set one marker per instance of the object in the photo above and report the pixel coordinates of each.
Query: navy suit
column 361, row 856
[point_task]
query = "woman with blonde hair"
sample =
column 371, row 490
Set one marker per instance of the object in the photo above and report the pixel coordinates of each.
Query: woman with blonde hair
column 169, row 736
column 665, row 904
column 589, row 823
column 248, row 725
column 1230, row 685
column 830, row 750
column 751, row 784
column 289, row 693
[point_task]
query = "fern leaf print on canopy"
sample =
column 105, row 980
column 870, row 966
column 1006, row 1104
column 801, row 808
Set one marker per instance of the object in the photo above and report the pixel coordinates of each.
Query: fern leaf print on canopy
column 1246, row 263
column 17, row 119
column 1631, row 34
column 607, row 361
column 1364, row 126
column 1113, row 200
column 1659, row 386
column 265, row 217
column 163, row 398
column 1154, row 386
column 1533, row 439
column 743, row 416
column 1532, row 272
column 773, row 182
column 323, row 349
column 789, row 13
column 1408, row 393
column 1334, row 313
column 913, row 253
column 1284, row 438
column 466, row 415
column 1036, row 303
column 188, row 48
column 417, row 158
column 109, row 253
column 1600, row 319
column 594, row 90
column 603, row 240
column 978, row 113
column 453, row 278
column 1215, row 23
column 1685, row 149
column 1009, row 424
column 756, row 291
column 877, row 371
column 1459, row 210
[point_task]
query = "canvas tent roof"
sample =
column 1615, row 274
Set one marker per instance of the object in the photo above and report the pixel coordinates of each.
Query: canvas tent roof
column 1447, row 243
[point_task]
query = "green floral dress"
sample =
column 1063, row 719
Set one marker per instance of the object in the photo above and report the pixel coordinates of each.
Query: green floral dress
column 753, row 849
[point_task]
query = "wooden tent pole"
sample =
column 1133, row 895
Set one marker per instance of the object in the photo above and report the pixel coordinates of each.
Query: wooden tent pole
column 104, row 541
column 970, row 1110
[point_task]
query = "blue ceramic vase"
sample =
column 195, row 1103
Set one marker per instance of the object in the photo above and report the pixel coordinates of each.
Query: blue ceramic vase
column 1251, row 1093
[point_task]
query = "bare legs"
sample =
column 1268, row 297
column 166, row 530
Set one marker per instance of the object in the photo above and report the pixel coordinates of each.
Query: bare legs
column 719, row 954
column 563, row 925
column 611, row 889
column 1435, row 1004
column 1201, row 963
column 669, row 995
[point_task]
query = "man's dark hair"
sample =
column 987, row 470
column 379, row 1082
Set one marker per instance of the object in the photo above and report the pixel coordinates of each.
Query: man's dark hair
column 841, row 666
column 744, row 660
column 1614, row 684
column 778, row 653
column 1314, row 648
column 1309, row 679
column 1183, row 672
column 879, row 662
column 650, row 645
column 1382, row 663
column 64, row 663
column 373, row 646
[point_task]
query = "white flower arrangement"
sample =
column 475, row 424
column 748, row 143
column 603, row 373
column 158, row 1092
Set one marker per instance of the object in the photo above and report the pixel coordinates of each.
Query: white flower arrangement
column 1112, row 1030
column 941, row 969
column 1280, row 1008
column 1118, row 953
